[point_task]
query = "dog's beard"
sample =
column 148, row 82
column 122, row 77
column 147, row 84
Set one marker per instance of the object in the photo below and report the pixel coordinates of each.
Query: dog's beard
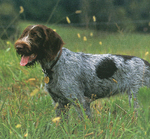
column 28, row 58
column 32, row 57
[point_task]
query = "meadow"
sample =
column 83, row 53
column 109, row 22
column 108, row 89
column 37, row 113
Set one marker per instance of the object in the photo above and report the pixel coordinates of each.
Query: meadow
column 26, row 110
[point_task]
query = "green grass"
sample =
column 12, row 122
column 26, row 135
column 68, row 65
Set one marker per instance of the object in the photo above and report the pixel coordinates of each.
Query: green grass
column 26, row 110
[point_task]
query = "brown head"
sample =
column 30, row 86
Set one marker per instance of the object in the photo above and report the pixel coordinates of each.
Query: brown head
column 36, row 43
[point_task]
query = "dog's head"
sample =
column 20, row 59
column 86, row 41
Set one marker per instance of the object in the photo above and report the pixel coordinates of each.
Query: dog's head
column 36, row 43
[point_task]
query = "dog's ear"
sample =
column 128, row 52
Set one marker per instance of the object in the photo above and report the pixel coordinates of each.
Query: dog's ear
column 53, row 42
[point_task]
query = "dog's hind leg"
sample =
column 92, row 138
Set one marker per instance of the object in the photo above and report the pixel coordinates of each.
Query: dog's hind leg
column 132, row 95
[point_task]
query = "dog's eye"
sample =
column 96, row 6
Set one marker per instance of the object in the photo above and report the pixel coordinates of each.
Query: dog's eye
column 34, row 34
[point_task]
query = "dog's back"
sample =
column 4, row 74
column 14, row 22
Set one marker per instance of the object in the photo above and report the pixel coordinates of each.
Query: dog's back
column 78, row 75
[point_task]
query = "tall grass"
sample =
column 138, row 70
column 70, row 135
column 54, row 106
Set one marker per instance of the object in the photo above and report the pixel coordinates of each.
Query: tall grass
column 26, row 110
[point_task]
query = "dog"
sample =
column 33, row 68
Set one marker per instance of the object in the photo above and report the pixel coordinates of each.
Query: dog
column 72, row 77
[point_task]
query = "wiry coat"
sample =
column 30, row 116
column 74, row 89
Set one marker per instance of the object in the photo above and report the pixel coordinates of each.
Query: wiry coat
column 79, row 76
column 84, row 76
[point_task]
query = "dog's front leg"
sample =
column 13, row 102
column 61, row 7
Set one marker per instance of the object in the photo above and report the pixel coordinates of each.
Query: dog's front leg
column 61, row 105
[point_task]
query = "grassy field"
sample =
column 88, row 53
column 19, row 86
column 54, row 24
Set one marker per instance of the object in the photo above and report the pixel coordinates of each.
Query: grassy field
column 26, row 110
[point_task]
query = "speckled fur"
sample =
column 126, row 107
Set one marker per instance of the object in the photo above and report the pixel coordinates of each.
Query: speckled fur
column 75, row 77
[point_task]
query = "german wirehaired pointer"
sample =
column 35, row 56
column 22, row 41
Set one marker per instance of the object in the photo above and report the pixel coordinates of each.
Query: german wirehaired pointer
column 74, row 76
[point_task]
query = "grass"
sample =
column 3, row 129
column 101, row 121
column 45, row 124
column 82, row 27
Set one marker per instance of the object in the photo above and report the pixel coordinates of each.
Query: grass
column 26, row 110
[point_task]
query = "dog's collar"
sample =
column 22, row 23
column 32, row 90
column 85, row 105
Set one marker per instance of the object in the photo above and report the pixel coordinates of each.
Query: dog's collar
column 49, row 71
column 57, row 58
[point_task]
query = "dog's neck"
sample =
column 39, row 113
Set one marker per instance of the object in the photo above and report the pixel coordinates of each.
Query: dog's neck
column 47, row 66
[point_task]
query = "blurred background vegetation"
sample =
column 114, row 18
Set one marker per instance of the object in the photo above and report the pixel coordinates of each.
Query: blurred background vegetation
column 110, row 15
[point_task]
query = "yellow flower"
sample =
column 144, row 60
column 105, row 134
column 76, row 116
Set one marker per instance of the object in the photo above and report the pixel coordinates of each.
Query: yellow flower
column 56, row 105
column 34, row 92
column 78, row 11
column 68, row 20
column 89, row 134
column 100, row 43
column 31, row 79
column 10, row 132
column 25, row 135
column 91, row 34
column 8, row 42
column 149, row 23
column 84, row 38
column 115, row 81
column 56, row 120
column 21, row 10
column 18, row 125
column 78, row 35
column 54, row 30
column 146, row 53
column 94, row 19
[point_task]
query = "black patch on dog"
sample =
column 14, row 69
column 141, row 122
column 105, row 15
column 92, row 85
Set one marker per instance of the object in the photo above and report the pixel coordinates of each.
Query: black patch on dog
column 146, row 63
column 126, row 57
column 106, row 68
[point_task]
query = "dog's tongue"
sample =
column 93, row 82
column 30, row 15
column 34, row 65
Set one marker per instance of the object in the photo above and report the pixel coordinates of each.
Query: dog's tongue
column 24, row 60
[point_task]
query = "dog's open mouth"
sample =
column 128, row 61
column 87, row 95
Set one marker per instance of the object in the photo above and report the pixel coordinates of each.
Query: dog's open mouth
column 27, row 59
